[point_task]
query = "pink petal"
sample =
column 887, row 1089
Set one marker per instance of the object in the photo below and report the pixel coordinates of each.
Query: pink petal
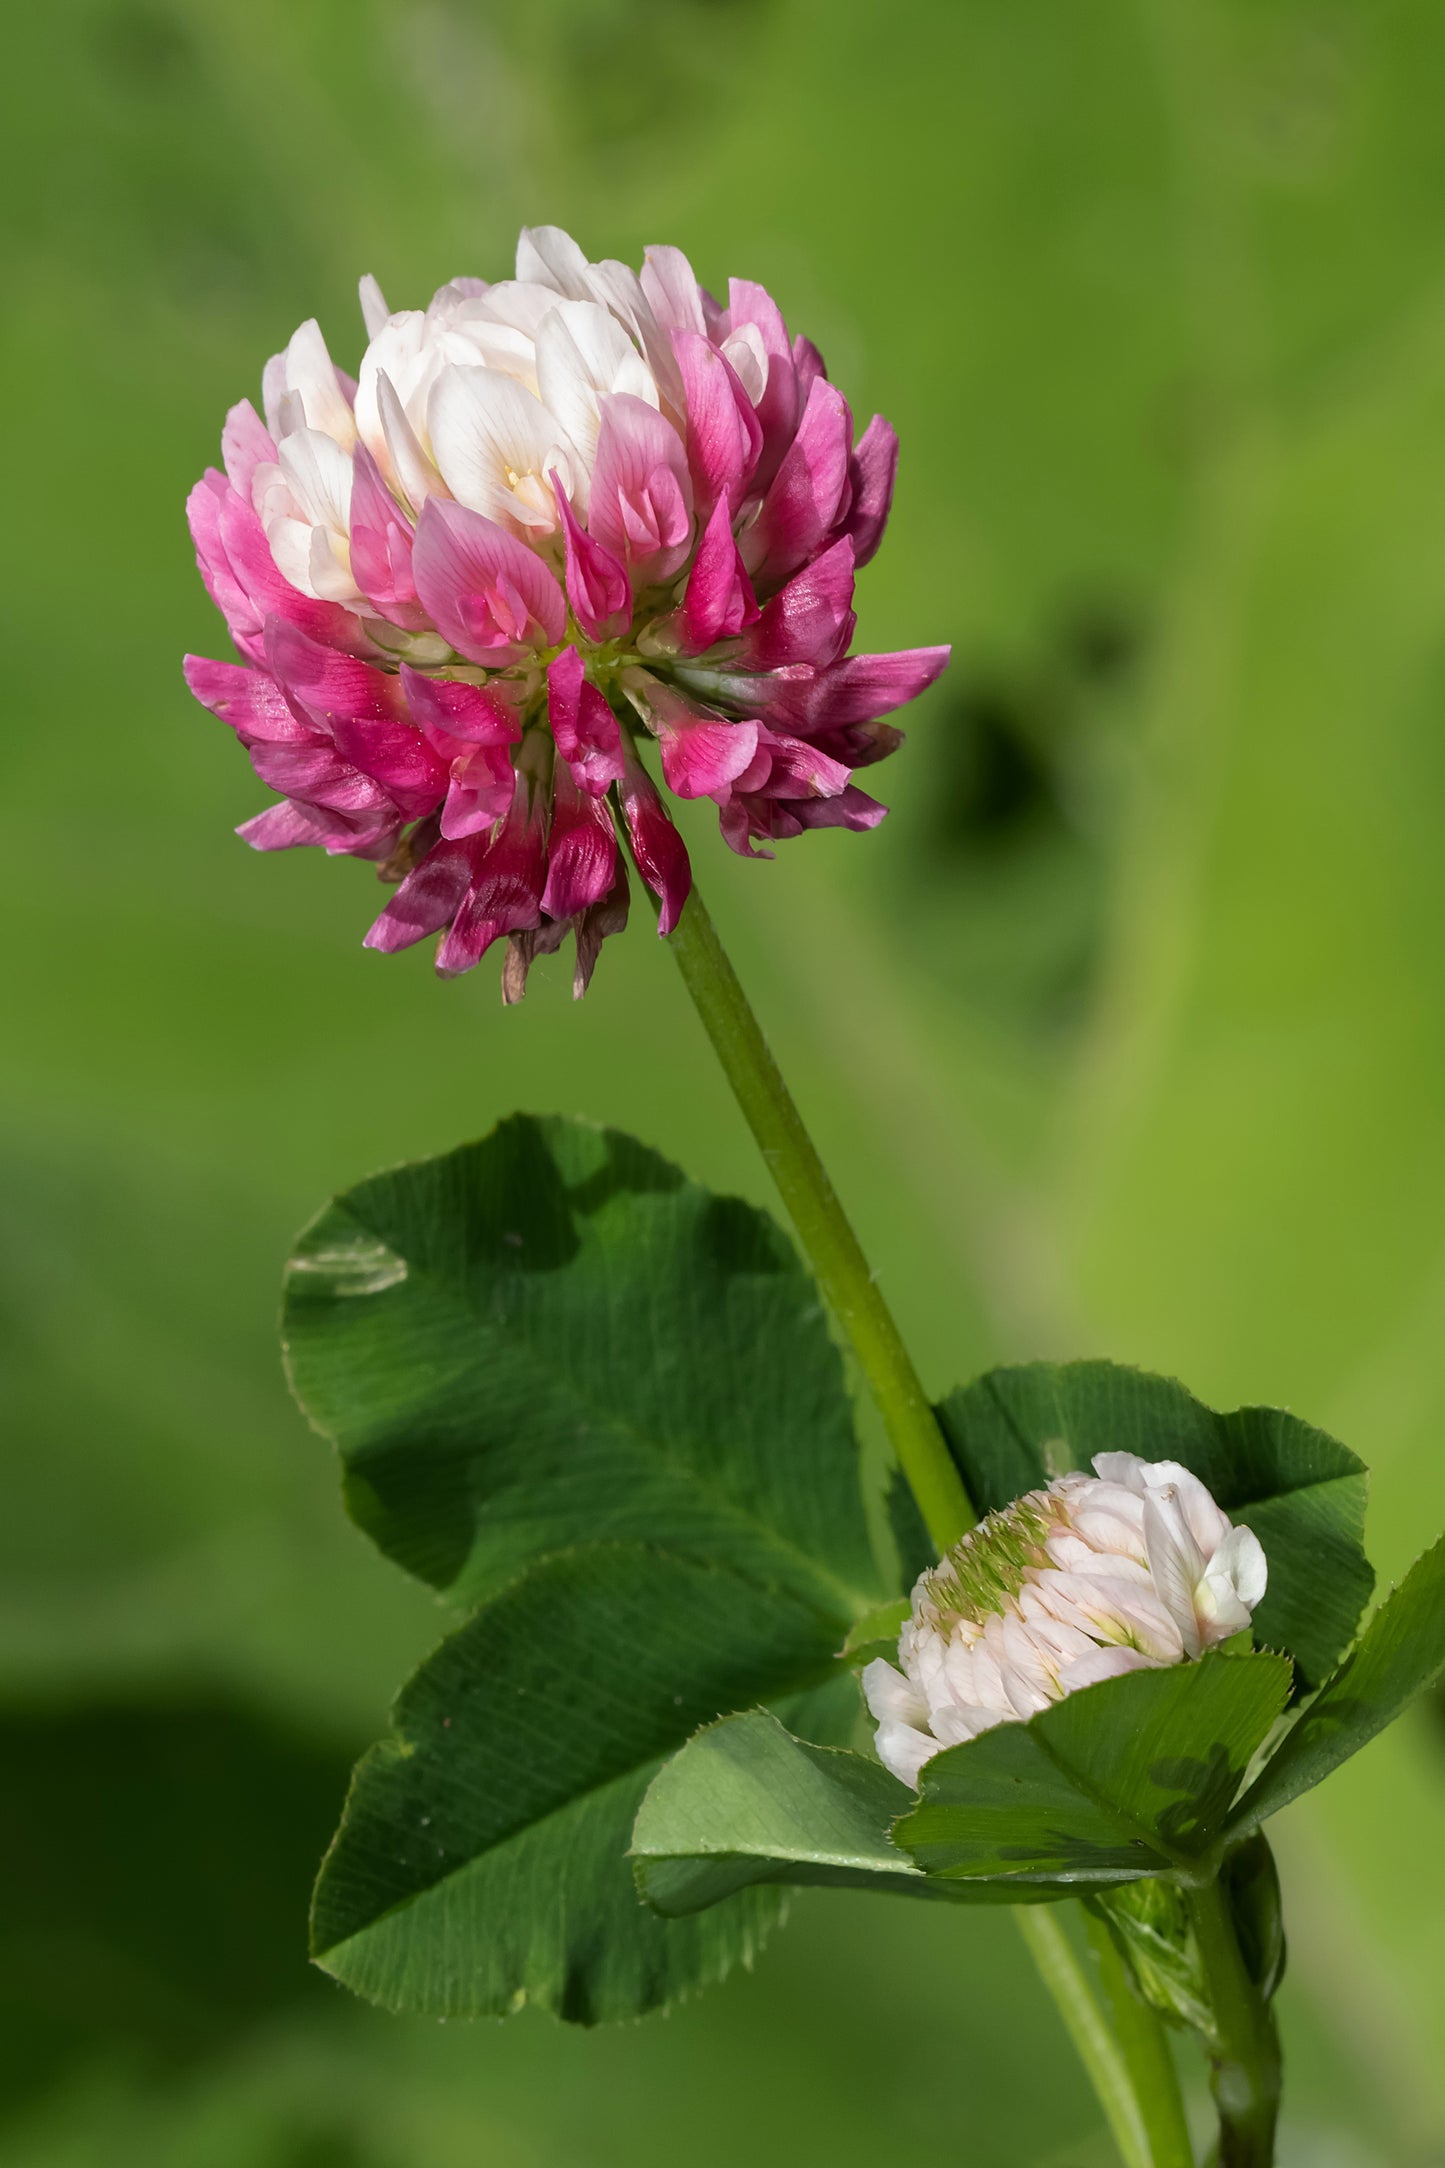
column 581, row 849
column 672, row 291
column 872, row 471
column 246, row 444
column 702, row 759
column 271, row 594
column 806, row 495
column 809, row 620
column 719, row 601
column 724, row 436
column 607, row 917
column 480, row 790
column 586, row 730
column 491, row 596
column 381, row 547
column 852, row 808
column 809, row 364
column 452, row 712
column 657, row 849
column 285, row 827
column 249, row 700
column 317, row 774
column 397, row 756
column 326, row 686
column 427, row 899
column 641, row 501
column 597, row 585
column 203, row 515
column 781, row 402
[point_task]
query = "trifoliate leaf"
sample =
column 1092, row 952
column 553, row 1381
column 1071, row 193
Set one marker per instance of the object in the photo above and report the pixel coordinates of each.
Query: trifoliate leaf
column 552, row 1338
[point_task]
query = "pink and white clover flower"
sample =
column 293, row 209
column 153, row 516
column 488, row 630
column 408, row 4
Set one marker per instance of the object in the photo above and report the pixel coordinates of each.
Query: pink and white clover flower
column 552, row 519
column 1125, row 1570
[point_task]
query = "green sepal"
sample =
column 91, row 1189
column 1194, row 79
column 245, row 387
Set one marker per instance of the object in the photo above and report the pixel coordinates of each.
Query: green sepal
column 1149, row 1924
column 876, row 1633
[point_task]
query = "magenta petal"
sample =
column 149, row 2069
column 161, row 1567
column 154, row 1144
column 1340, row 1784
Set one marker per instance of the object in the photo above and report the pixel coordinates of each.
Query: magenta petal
column 803, row 504
column 319, row 775
column 398, row 756
column 427, row 899
column 246, row 444
column 449, row 710
column 872, row 472
column 328, row 685
column 249, row 700
column 506, row 895
column 702, row 759
column 657, row 849
column 284, row 827
column 381, row 547
column 719, row 600
column 853, row 691
column 581, row 849
column 809, row 364
column 809, row 620
column 597, row 585
column 798, row 769
column 852, row 808
column 724, row 437
column 491, row 596
column 587, row 732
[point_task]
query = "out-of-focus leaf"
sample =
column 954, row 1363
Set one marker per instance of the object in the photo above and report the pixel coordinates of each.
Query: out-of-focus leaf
column 1399, row 1654
column 745, row 1802
column 552, row 1338
column 482, row 1859
column 1301, row 1492
column 1133, row 1777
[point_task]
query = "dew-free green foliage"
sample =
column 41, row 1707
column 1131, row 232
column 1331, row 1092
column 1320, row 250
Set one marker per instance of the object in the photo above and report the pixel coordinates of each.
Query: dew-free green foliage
column 552, row 1338
column 482, row 1861
column 1301, row 1492
column 746, row 1803
column 1132, row 1777
column 1400, row 1653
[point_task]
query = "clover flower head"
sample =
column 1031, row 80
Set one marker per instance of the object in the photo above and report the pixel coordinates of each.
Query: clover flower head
column 551, row 519
column 1125, row 1570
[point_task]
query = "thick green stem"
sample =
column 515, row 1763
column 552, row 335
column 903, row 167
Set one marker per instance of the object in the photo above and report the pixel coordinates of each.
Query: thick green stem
column 1128, row 2064
column 1245, row 2066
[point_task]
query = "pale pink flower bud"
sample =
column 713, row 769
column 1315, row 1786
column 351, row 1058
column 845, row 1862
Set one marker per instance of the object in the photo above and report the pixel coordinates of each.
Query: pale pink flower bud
column 552, row 520
column 1129, row 1569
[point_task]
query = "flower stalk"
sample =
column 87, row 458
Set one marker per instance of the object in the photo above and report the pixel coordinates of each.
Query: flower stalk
column 1245, row 2064
column 1128, row 2063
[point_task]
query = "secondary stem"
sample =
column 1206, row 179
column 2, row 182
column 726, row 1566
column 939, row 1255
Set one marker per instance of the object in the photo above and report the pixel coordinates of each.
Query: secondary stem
column 1246, row 2065
column 1129, row 2065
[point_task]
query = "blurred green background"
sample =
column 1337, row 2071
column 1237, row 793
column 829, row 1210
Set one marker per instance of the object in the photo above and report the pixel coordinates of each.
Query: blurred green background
column 1125, row 1035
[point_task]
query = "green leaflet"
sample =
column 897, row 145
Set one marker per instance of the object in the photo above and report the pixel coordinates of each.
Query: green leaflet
column 1132, row 1777
column 1301, row 1492
column 552, row 1338
column 1400, row 1653
column 482, row 1858
column 746, row 1803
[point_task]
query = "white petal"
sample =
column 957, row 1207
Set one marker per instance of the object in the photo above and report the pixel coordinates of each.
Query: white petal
column 521, row 303
column 398, row 351
column 495, row 446
column 402, row 456
column 310, row 372
column 330, row 568
column 320, row 473
column 744, row 348
column 1125, row 1469
column 1102, row 1664
column 891, row 1697
column 1233, row 1583
column 582, row 352
column 549, row 257
column 374, row 311
column 903, row 1751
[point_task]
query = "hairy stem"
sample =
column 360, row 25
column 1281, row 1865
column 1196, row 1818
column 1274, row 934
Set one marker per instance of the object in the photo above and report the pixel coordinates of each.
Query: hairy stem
column 1128, row 2062
column 1245, row 2066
